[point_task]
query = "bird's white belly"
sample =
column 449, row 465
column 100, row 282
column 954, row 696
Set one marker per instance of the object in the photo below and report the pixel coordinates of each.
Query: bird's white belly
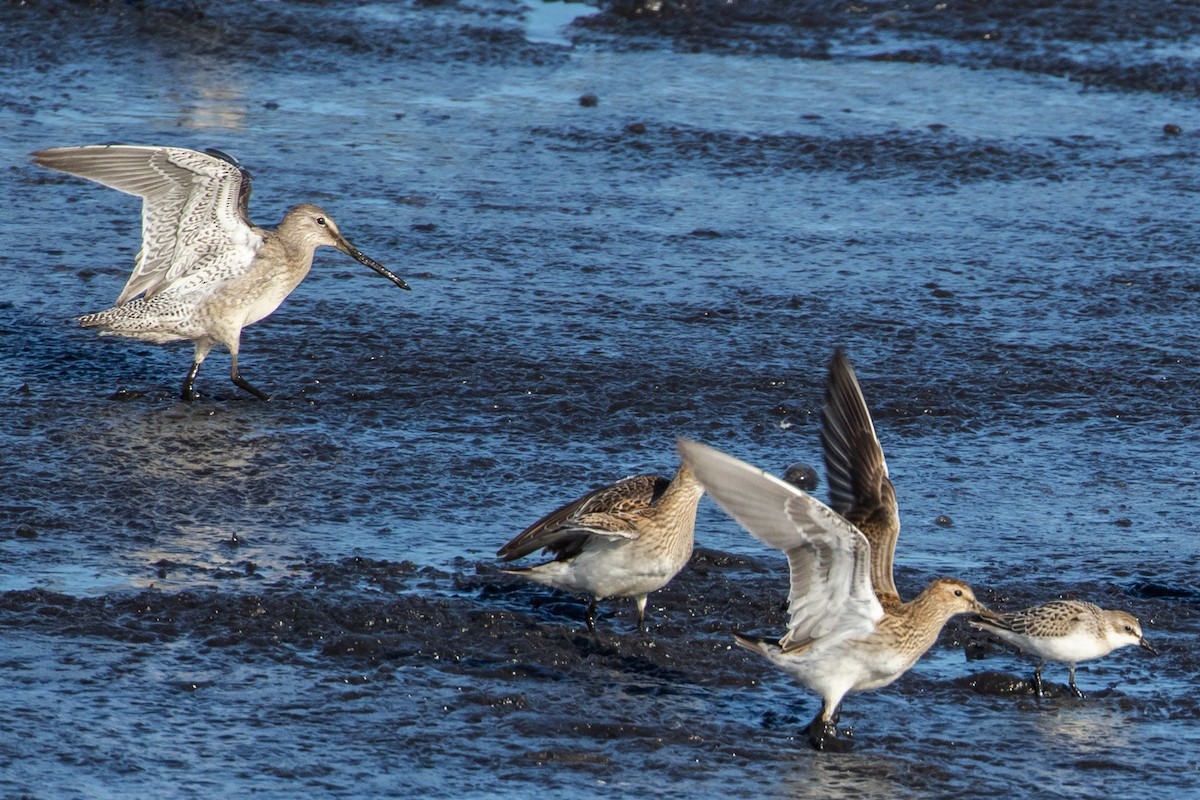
column 617, row 570
column 845, row 666
column 1072, row 648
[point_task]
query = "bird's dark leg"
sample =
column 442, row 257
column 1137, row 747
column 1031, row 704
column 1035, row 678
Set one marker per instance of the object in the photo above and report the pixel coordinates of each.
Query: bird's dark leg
column 189, row 394
column 1074, row 688
column 241, row 382
column 641, row 607
column 1037, row 680
column 823, row 733
column 589, row 616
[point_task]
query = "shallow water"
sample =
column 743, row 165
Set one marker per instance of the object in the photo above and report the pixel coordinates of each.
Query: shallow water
column 1006, row 254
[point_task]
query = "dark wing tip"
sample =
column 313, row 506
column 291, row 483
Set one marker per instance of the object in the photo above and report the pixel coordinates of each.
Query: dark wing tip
column 48, row 156
column 221, row 154
column 247, row 179
column 841, row 370
column 516, row 548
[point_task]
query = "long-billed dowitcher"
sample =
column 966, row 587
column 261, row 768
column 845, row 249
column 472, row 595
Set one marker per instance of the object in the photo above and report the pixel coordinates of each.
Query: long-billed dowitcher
column 1069, row 631
column 623, row 540
column 204, row 271
column 840, row 638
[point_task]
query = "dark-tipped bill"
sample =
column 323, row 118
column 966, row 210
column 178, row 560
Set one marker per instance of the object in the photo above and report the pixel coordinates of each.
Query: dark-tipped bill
column 985, row 614
column 353, row 252
column 1146, row 646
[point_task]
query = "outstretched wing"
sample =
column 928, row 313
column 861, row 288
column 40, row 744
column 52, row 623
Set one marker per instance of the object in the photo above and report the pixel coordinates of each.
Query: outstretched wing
column 859, row 487
column 193, row 206
column 606, row 511
column 831, row 593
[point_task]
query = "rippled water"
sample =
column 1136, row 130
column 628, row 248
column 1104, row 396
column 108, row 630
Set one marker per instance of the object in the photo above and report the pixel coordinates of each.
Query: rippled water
column 1007, row 255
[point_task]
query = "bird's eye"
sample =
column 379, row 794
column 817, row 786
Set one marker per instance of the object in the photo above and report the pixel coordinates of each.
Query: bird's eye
column 1128, row 629
column 958, row 592
column 321, row 221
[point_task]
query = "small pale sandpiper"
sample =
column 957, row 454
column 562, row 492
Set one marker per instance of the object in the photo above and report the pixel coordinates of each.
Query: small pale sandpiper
column 1069, row 631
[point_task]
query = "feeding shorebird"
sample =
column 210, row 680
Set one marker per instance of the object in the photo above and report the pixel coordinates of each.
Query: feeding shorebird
column 624, row 540
column 204, row 271
column 840, row 638
column 1065, row 630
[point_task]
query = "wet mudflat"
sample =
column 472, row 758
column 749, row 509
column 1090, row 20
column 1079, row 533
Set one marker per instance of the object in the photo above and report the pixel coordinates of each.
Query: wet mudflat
column 988, row 205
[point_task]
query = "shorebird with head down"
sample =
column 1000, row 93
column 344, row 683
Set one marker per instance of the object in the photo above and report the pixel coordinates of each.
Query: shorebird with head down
column 1069, row 631
column 204, row 271
column 624, row 540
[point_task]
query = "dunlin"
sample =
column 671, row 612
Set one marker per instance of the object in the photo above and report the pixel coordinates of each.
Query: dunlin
column 623, row 540
column 840, row 638
column 1065, row 630
column 204, row 271
column 859, row 487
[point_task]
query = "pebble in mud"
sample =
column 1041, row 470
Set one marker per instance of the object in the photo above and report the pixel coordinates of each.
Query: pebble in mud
column 1171, row 129
column 589, row 100
column 943, row 521
column 802, row 476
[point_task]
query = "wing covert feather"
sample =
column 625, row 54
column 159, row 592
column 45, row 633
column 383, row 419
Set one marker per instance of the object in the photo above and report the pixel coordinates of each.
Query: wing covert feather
column 192, row 206
column 828, row 558
column 603, row 511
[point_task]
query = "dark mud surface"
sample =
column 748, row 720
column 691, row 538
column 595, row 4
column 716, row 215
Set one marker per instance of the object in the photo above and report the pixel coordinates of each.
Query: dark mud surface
column 990, row 205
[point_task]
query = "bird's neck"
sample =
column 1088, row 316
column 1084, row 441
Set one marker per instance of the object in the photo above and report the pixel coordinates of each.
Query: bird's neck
column 679, row 501
column 684, row 489
column 292, row 255
column 924, row 616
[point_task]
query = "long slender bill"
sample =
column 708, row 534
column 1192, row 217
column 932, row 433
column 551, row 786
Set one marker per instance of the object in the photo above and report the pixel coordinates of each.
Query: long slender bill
column 354, row 253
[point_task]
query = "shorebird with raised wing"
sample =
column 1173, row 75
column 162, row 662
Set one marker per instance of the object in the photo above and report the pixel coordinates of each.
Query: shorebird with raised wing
column 624, row 540
column 204, row 271
column 840, row 638
column 1069, row 631
column 859, row 487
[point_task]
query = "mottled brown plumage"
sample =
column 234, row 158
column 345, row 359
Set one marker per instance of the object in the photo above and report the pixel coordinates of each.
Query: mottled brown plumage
column 1065, row 630
column 840, row 638
column 607, row 508
column 859, row 487
column 623, row 540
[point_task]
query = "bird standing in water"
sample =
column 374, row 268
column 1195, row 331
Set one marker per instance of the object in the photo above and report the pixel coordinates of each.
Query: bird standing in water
column 840, row 637
column 624, row 540
column 1065, row 630
column 204, row 271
